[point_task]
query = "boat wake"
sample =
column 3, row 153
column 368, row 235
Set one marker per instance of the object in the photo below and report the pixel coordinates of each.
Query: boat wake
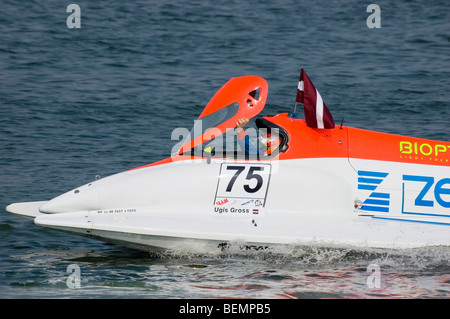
column 432, row 258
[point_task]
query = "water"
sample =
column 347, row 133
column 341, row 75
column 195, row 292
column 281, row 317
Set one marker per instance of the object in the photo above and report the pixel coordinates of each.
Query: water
column 76, row 103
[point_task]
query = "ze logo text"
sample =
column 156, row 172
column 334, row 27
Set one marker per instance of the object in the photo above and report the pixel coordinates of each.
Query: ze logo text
column 441, row 190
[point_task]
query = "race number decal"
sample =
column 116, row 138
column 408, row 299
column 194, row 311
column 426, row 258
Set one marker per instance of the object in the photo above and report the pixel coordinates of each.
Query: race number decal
column 241, row 183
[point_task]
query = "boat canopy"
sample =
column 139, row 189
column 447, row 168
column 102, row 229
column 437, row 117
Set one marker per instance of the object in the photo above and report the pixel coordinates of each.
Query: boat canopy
column 240, row 97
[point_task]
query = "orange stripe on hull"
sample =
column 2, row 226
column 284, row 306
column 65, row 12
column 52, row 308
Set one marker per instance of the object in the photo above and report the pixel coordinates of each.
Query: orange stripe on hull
column 164, row 161
column 396, row 148
column 305, row 142
column 348, row 142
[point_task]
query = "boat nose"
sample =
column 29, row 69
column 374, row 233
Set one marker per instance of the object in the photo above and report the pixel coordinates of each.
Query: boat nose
column 80, row 199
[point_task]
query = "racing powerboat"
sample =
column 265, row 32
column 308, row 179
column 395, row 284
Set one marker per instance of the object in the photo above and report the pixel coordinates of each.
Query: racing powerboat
column 324, row 184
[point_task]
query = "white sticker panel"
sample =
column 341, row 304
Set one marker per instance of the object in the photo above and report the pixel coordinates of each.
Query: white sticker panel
column 243, row 182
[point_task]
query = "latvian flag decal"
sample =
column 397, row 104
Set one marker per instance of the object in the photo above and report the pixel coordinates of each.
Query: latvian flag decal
column 317, row 114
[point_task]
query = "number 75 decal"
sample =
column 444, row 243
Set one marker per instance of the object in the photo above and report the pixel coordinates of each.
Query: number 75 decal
column 243, row 181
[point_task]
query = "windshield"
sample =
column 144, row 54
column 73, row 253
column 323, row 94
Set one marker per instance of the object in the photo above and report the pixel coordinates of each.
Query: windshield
column 209, row 122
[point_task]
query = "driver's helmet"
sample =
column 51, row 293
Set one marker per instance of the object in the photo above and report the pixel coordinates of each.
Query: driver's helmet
column 269, row 143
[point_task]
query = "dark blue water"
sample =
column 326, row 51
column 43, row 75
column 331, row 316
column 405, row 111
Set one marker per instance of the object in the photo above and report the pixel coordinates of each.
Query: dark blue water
column 103, row 98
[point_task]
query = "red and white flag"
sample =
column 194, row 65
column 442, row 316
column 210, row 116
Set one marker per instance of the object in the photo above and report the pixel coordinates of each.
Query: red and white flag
column 317, row 114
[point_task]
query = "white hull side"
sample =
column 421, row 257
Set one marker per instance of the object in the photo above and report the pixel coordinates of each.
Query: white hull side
column 305, row 201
